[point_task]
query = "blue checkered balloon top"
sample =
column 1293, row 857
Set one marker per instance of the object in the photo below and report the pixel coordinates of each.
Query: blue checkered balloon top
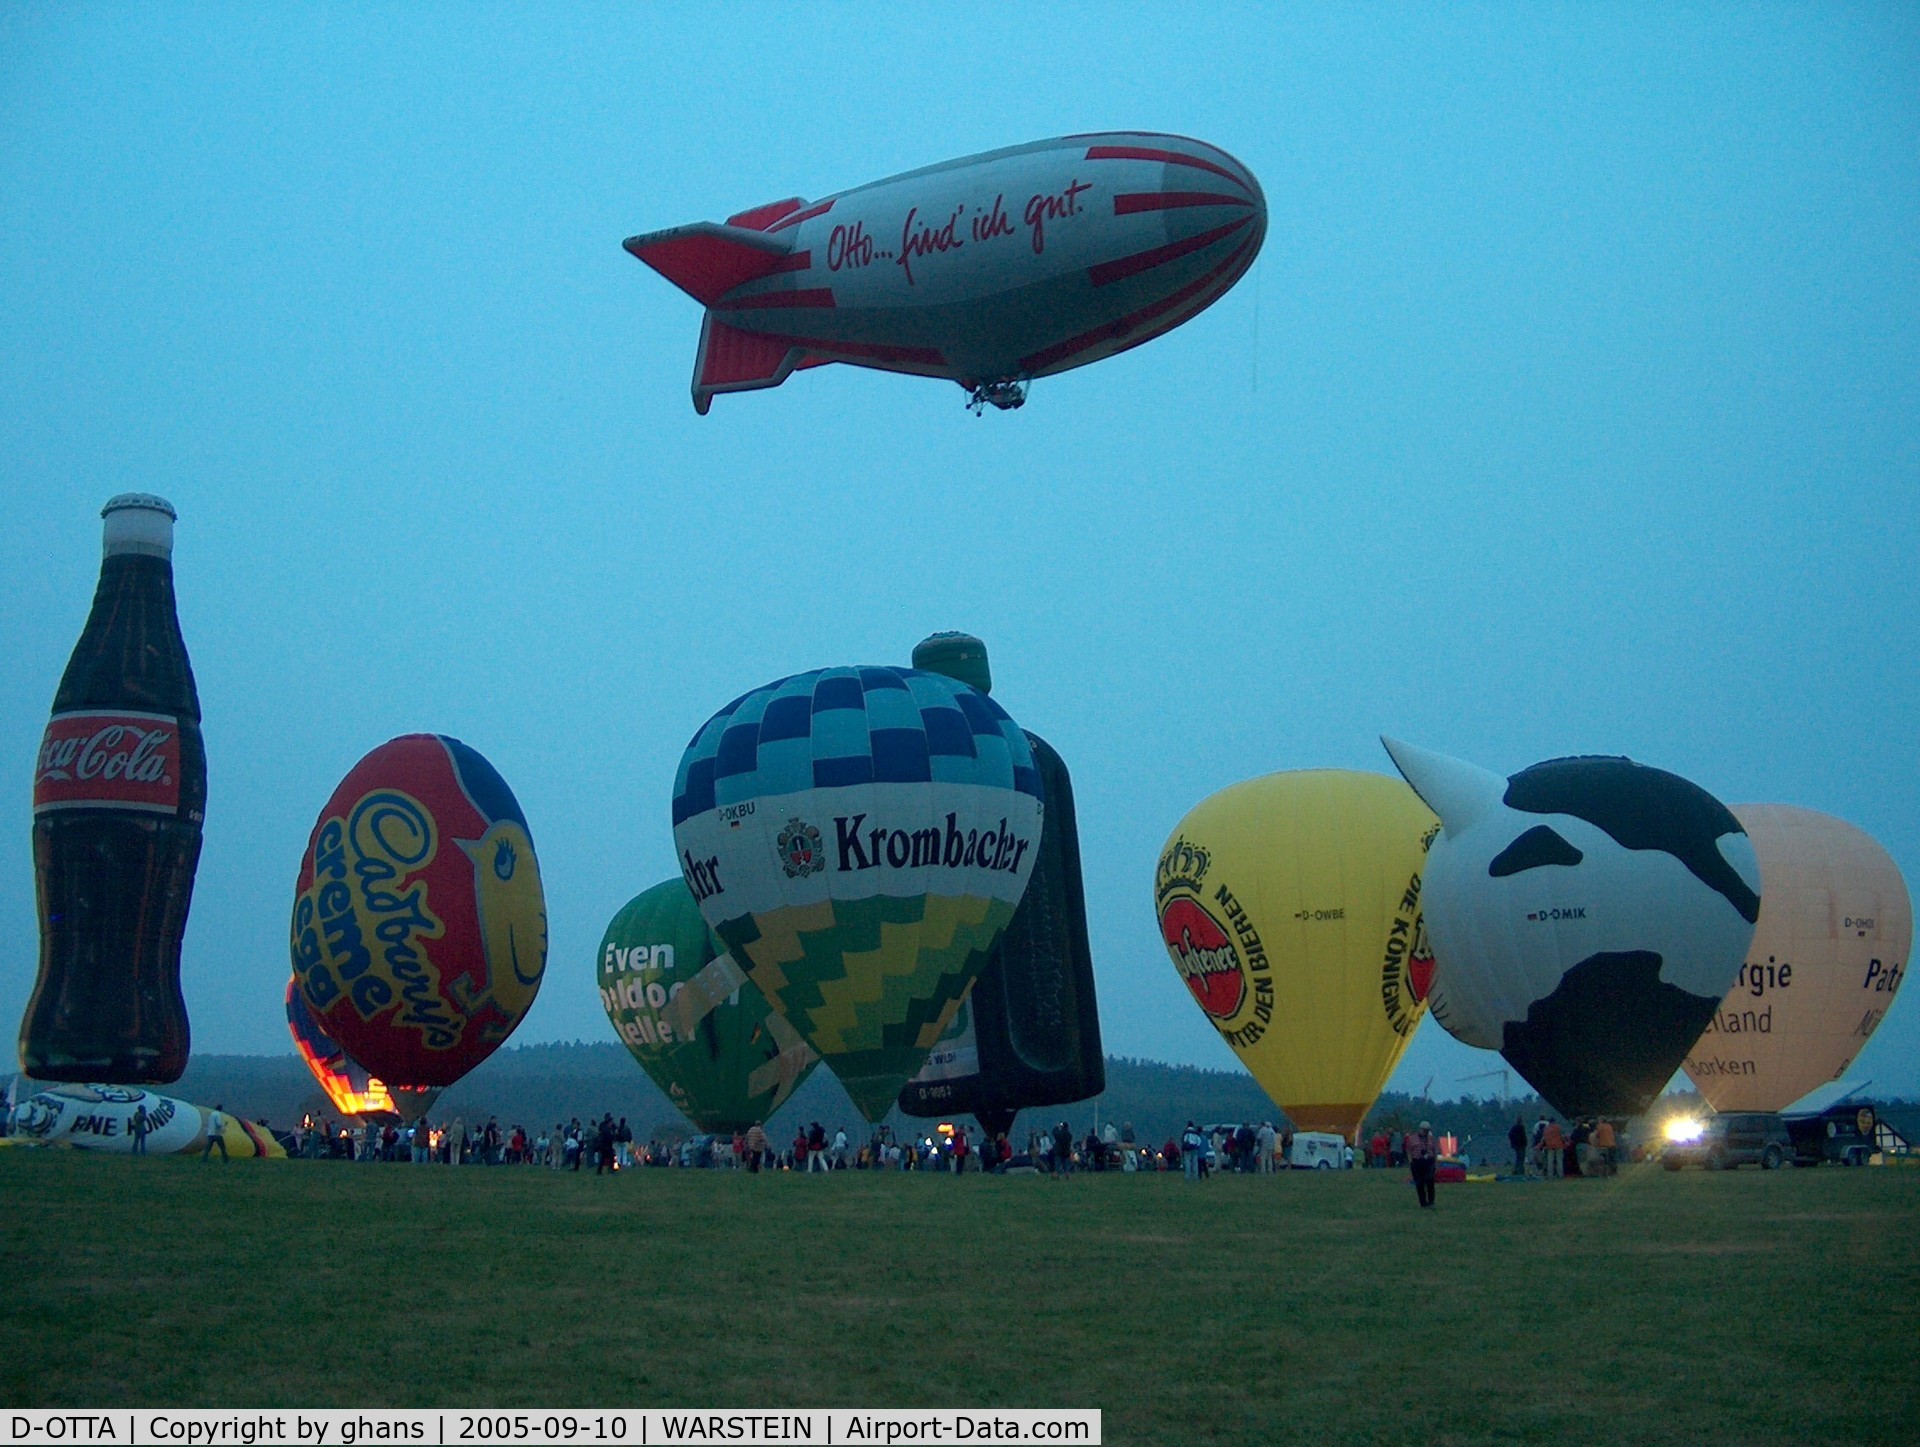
column 840, row 726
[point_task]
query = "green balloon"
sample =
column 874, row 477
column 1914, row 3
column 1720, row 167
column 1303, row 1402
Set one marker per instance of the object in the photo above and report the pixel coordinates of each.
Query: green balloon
column 692, row 1018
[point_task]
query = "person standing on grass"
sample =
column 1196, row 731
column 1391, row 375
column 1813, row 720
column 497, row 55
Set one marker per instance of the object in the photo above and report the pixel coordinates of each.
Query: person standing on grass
column 1579, row 1159
column 216, row 1133
column 1422, row 1158
column 962, row 1148
column 139, row 1124
column 1062, row 1149
column 1192, row 1148
column 839, row 1148
column 603, row 1162
column 1517, row 1142
column 756, row 1148
column 1554, row 1143
column 1263, row 1142
column 1605, row 1146
column 817, row 1147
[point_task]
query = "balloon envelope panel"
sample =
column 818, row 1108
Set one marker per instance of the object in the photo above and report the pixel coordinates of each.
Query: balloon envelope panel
column 1587, row 915
column 730, row 1071
column 1828, row 954
column 858, row 838
column 350, row 1088
column 1030, row 1033
column 1290, row 906
column 419, row 924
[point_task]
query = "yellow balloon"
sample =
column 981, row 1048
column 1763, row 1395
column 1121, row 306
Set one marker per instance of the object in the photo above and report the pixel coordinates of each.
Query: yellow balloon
column 1291, row 907
column 1828, row 953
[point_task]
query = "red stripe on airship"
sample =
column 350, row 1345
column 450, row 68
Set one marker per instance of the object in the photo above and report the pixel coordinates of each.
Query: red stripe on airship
column 1108, row 272
column 1149, row 153
column 797, row 217
column 870, row 351
column 1114, row 331
column 819, row 296
column 799, row 261
column 1172, row 201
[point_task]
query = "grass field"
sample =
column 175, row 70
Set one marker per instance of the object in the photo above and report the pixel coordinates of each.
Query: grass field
column 1656, row 1308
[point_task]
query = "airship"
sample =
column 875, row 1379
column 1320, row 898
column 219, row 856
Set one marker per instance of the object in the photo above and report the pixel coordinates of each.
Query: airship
column 989, row 271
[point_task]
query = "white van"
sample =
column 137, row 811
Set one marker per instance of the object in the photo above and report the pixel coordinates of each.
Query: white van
column 1315, row 1150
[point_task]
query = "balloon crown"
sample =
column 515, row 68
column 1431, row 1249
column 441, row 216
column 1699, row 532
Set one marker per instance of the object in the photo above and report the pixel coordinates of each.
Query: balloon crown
column 1182, row 864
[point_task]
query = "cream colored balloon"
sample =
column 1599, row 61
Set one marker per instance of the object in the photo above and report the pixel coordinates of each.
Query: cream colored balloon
column 1827, row 956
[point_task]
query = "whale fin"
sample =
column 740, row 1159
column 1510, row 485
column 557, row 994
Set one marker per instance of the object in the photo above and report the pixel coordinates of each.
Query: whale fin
column 707, row 260
column 1457, row 791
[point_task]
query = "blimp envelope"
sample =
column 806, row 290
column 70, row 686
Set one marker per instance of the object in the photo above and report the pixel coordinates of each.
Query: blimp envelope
column 100, row 1118
column 1587, row 916
column 989, row 270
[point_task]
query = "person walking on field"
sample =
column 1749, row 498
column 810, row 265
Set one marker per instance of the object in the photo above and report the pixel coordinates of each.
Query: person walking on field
column 1192, row 1143
column 1517, row 1141
column 216, row 1133
column 1421, row 1160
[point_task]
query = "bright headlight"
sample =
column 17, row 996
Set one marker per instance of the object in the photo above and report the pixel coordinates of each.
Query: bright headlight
column 1683, row 1129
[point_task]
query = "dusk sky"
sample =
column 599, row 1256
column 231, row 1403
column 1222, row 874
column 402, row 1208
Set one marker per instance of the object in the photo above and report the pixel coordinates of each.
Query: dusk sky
column 1573, row 406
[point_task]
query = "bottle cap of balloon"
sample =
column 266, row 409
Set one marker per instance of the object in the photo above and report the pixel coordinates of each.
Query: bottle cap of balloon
column 957, row 655
column 138, row 522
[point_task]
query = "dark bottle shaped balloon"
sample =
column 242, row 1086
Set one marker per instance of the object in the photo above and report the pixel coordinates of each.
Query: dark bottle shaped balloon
column 1029, row 1033
column 118, row 801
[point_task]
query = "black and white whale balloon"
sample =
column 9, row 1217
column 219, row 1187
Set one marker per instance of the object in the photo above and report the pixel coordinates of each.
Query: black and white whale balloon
column 1586, row 915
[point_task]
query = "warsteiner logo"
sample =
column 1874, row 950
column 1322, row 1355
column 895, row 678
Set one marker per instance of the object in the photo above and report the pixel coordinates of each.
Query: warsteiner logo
column 800, row 850
column 1204, row 956
column 1215, row 945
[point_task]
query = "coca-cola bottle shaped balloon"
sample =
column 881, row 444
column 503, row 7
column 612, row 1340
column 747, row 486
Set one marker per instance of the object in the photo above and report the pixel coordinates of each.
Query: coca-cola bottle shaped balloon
column 119, row 797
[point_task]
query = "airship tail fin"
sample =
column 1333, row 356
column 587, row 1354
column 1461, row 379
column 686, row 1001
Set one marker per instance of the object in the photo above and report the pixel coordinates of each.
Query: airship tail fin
column 732, row 360
column 707, row 260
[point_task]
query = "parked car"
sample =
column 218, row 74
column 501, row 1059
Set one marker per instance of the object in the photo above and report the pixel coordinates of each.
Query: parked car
column 1733, row 1139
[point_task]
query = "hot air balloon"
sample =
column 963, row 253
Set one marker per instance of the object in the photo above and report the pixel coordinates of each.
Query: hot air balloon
column 858, row 838
column 1587, row 916
column 989, row 271
column 1029, row 1034
column 1291, row 906
column 349, row 1086
column 692, row 1018
column 1828, row 953
column 419, row 926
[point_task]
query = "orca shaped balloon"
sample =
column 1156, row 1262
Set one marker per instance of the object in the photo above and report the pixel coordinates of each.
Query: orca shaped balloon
column 1587, row 917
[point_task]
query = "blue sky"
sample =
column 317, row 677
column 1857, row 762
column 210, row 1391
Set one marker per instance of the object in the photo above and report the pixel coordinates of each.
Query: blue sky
column 1573, row 406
